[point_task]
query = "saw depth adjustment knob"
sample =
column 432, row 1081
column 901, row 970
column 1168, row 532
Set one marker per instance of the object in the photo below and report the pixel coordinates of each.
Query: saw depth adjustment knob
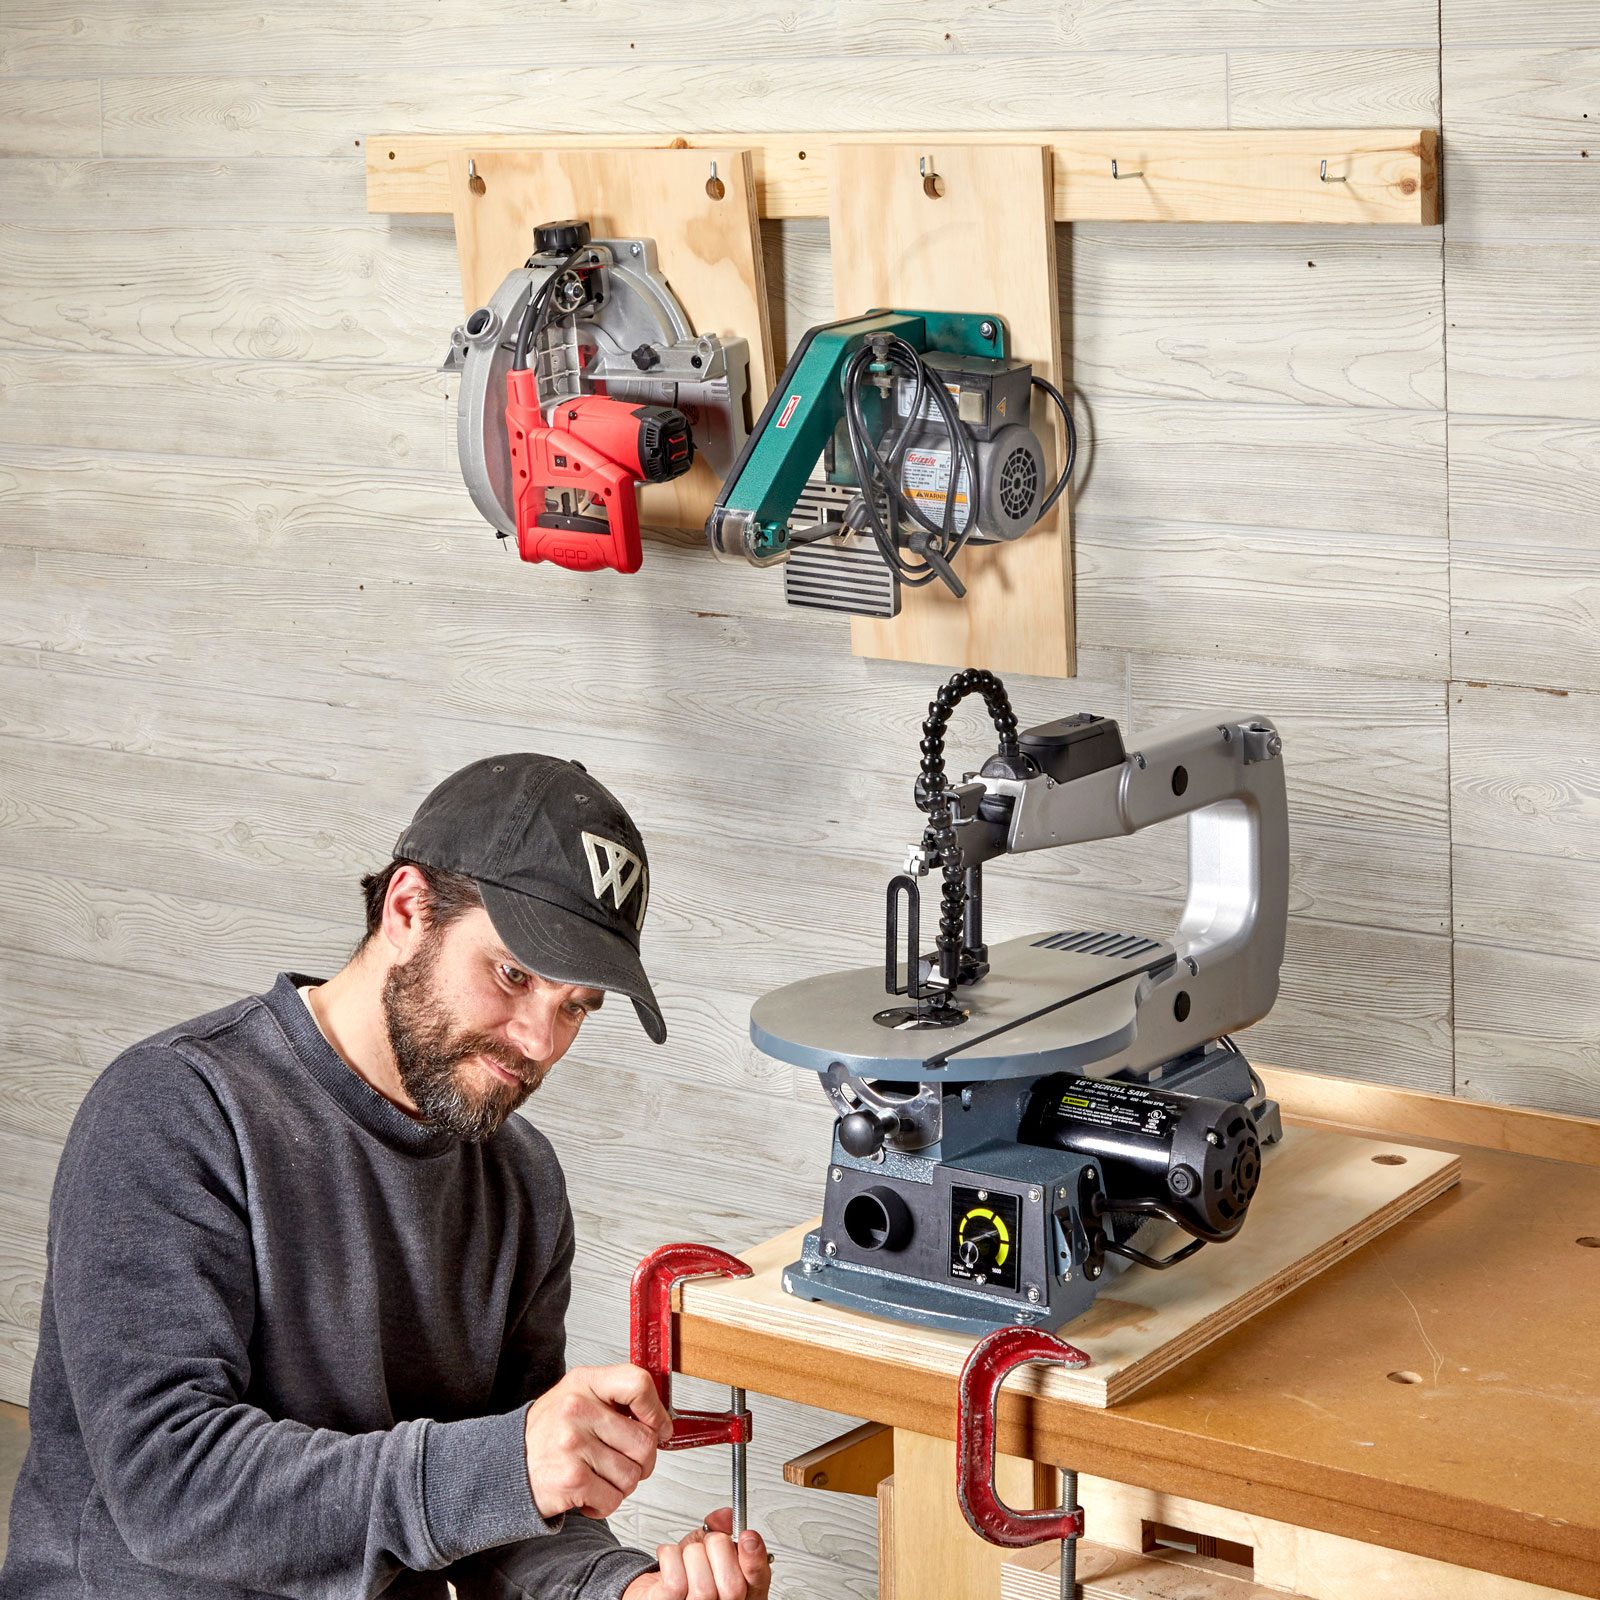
column 560, row 238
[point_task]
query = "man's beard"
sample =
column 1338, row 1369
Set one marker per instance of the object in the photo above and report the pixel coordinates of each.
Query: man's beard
column 432, row 1053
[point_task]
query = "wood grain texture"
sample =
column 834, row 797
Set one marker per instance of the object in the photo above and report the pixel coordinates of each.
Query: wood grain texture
column 1144, row 584
column 1332, row 85
column 1199, row 174
column 1527, row 481
column 88, row 194
column 911, row 250
column 49, row 117
column 335, row 413
column 1322, row 1195
column 1321, row 317
column 1554, row 22
column 1525, row 614
column 1525, row 340
column 1284, row 1559
column 1350, row 469
column 1524, row 771
column 359, row 293
column 1525, row 1027
column 708, row 249
column 275, row 114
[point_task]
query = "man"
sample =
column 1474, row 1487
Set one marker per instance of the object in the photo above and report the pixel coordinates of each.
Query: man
column 302, row 1330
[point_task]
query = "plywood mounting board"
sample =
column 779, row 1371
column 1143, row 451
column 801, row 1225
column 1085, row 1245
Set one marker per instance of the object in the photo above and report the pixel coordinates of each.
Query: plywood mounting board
column 1390, row 175
column 709, row 250
column 1323, row 1194
column 984, row 243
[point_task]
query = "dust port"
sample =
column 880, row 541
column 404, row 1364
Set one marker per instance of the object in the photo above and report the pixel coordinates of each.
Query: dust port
column 878, row 1219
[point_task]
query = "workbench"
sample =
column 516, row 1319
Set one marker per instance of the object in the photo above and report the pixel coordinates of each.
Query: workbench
column 1437, row 1393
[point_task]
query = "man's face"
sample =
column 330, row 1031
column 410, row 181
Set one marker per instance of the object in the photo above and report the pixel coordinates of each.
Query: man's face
column 474, row 1032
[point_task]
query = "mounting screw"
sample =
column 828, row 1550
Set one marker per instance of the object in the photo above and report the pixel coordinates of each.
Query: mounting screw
column 1033, row 1293
column 966, row 1099
column 1091, row 1272
column 983, row 1194
column 1061, row 1194
column 987, row 329
column 830, row 1248
column 1033, row 1197
column 835, row 1174
column 636, row 249
column 1213, row 1137
column 1066, row 1277
column 1090, row 1175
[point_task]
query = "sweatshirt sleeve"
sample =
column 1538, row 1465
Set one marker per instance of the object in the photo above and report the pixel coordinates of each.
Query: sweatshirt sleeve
column 153, row 1290
column 582, row 1560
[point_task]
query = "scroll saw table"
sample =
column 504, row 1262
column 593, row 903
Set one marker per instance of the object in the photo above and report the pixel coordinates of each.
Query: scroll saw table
column 1436, row 1393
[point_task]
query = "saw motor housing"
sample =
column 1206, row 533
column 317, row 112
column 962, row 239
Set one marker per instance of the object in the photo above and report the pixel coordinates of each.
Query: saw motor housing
column 1019, row 1123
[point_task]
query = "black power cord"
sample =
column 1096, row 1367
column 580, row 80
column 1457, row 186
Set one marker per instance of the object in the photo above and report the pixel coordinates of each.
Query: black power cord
column 536, row 316
column 880, row 468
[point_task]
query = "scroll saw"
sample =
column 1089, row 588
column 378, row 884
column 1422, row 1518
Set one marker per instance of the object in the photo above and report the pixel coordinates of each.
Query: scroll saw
column 1011, row 1120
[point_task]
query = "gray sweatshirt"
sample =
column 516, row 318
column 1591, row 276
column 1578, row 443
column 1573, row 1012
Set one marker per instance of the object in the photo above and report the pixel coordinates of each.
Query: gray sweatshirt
column 288, row 1338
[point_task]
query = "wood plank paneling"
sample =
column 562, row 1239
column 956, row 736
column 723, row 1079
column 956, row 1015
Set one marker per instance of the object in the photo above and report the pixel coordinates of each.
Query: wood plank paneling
column 1554, row 22
column 1357, row 470
column 1333, row 86
column 1238, row 314
column 324, row 114
column 1526, row 614
column 1528, row 481
column 1525, row 1028
column 361, row 293
column 91, row 194
column 1525, row 771
column 1152, row 586
column 1524, row 339
column 330, row 413
column 49, row 117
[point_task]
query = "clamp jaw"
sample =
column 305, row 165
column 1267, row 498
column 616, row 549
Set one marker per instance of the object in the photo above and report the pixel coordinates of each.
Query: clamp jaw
column 650, row 1347
column 992, row 1361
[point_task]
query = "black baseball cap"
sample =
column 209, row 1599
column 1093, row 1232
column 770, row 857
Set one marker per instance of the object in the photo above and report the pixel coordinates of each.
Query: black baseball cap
column 560, row 865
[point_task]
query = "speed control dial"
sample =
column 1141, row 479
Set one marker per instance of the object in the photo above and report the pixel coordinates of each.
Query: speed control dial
column 983, row 1237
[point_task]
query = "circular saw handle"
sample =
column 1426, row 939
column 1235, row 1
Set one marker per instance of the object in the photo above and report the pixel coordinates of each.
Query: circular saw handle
column 650, row 1337
column 993, row 1359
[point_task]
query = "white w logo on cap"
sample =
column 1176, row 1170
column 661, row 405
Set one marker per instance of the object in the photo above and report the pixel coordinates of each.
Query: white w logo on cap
column 615, row 868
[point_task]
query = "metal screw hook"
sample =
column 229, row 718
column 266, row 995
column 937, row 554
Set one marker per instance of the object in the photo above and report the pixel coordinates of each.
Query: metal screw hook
column 714, row 185
column 474, row 182
column 1326, row 179
column 1116, row 174
column 932, row 183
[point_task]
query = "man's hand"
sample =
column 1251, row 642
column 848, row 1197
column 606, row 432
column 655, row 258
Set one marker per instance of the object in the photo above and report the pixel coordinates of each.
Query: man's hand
column 591, row 1440
column 708, row 1565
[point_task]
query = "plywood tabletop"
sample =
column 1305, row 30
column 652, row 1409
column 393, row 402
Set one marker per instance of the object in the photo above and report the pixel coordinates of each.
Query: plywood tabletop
column 1436, row 1391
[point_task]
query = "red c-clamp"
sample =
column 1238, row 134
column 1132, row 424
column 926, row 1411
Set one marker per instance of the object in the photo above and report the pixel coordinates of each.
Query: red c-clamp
column 650, row 1347
column 993, row 1359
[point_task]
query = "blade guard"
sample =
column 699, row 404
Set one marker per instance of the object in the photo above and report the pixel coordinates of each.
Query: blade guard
column 993, row 1359
column 650, row 1337
column 545, row 457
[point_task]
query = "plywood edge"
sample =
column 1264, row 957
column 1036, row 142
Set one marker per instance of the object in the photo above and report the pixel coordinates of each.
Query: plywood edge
column 1208, row 174
column 1138, row 1374
column 760, row 1305
column 1377, row 1110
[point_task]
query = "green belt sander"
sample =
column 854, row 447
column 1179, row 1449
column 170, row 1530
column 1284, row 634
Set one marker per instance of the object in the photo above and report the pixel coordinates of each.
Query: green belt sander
column 891, row 442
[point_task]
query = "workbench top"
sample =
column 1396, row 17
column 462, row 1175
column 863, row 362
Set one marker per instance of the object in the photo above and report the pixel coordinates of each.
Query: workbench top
column 1438, row 1391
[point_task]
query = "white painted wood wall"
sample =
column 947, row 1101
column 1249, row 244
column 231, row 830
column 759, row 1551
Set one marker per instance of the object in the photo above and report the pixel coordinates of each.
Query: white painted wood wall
column 1347, row 478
